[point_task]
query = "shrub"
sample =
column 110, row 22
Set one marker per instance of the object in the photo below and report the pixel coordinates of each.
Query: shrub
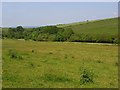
column 74, row 38
column 115, row 41
column 50, row 53
column 14, row 54
column 32, row 51
column 86, row 76
column 73, row 57
column 52, row 37
column 116, row 64
column 99, row 61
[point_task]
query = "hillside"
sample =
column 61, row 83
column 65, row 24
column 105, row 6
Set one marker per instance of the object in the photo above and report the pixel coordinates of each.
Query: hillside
column 105, row 26
column 101, row 27
column 100, row 31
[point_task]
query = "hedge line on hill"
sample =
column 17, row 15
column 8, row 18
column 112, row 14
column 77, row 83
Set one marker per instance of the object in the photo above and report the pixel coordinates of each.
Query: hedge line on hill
column 53, row 33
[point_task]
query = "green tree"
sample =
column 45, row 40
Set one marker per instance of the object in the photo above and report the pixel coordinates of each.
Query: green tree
column 67, row 33
column 11, row 33
column 74, row 38
column 49, row 29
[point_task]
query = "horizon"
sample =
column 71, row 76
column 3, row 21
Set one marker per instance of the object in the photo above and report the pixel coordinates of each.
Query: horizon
column 56, row 24
column 53, row 13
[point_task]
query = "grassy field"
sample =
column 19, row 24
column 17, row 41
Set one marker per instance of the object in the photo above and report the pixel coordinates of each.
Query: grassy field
column 59, row 64
column 97, row 27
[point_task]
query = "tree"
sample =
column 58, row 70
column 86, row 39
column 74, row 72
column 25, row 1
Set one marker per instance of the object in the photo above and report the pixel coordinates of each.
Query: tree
column 19, row 29
column 16, row 32
column 49, row 29
column 19, row 32
column 42, row 37
column 59, row 38
column 52, row 37
column 67, row 33
column 11, row 33
column 74, row 38
column 27, row 34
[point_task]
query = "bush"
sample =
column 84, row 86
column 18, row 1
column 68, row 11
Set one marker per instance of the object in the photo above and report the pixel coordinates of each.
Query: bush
column 116, row 64
column 14, row 54
column 52, row 37
column 50, row 53
column 74, row 38
column 115, row 41
column 86, row 76
column 99, row 61
column 32, row 51
column 53, row 33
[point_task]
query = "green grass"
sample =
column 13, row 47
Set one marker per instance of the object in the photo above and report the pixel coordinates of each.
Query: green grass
column 58, row 64
column 97, row 27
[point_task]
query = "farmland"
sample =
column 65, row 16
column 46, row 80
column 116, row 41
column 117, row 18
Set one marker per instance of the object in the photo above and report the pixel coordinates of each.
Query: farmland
column 58, row 64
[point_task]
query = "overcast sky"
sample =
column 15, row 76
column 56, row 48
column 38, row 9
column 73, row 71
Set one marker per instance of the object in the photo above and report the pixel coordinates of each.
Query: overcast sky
column 49, row 13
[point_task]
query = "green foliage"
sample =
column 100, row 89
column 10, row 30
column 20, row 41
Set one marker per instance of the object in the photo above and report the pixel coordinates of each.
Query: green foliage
column 16, row 32
column 99, row 61
column 74, row 38
column 49, row 29
column 33, row 51
column 117, row 64
column 52, row 37
column 50, row 52
column 101, row 31
column 86, row 37
column 86, row 76
column 27, row 33
column 4, row 34
column 14, row 55
column 59, row 37
column 42, row 37
column 67, row 33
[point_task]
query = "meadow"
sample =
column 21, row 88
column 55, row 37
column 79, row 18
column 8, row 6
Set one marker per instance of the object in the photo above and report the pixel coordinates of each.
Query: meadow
column 102, row 27
column 31, row 64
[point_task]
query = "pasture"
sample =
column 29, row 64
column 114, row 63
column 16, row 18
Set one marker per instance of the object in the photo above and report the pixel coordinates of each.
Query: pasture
column 108, row 27
column 58, row 64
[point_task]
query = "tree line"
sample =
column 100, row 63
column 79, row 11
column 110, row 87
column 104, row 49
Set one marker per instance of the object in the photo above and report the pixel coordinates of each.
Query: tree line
column 53, row 33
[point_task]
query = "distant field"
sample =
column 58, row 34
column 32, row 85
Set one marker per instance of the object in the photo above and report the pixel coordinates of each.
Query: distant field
column 58, row 64
column 97, row 27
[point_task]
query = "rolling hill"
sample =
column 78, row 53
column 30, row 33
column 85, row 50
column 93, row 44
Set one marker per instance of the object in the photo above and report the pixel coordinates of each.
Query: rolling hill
column 101, row 27
column 100, row 31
